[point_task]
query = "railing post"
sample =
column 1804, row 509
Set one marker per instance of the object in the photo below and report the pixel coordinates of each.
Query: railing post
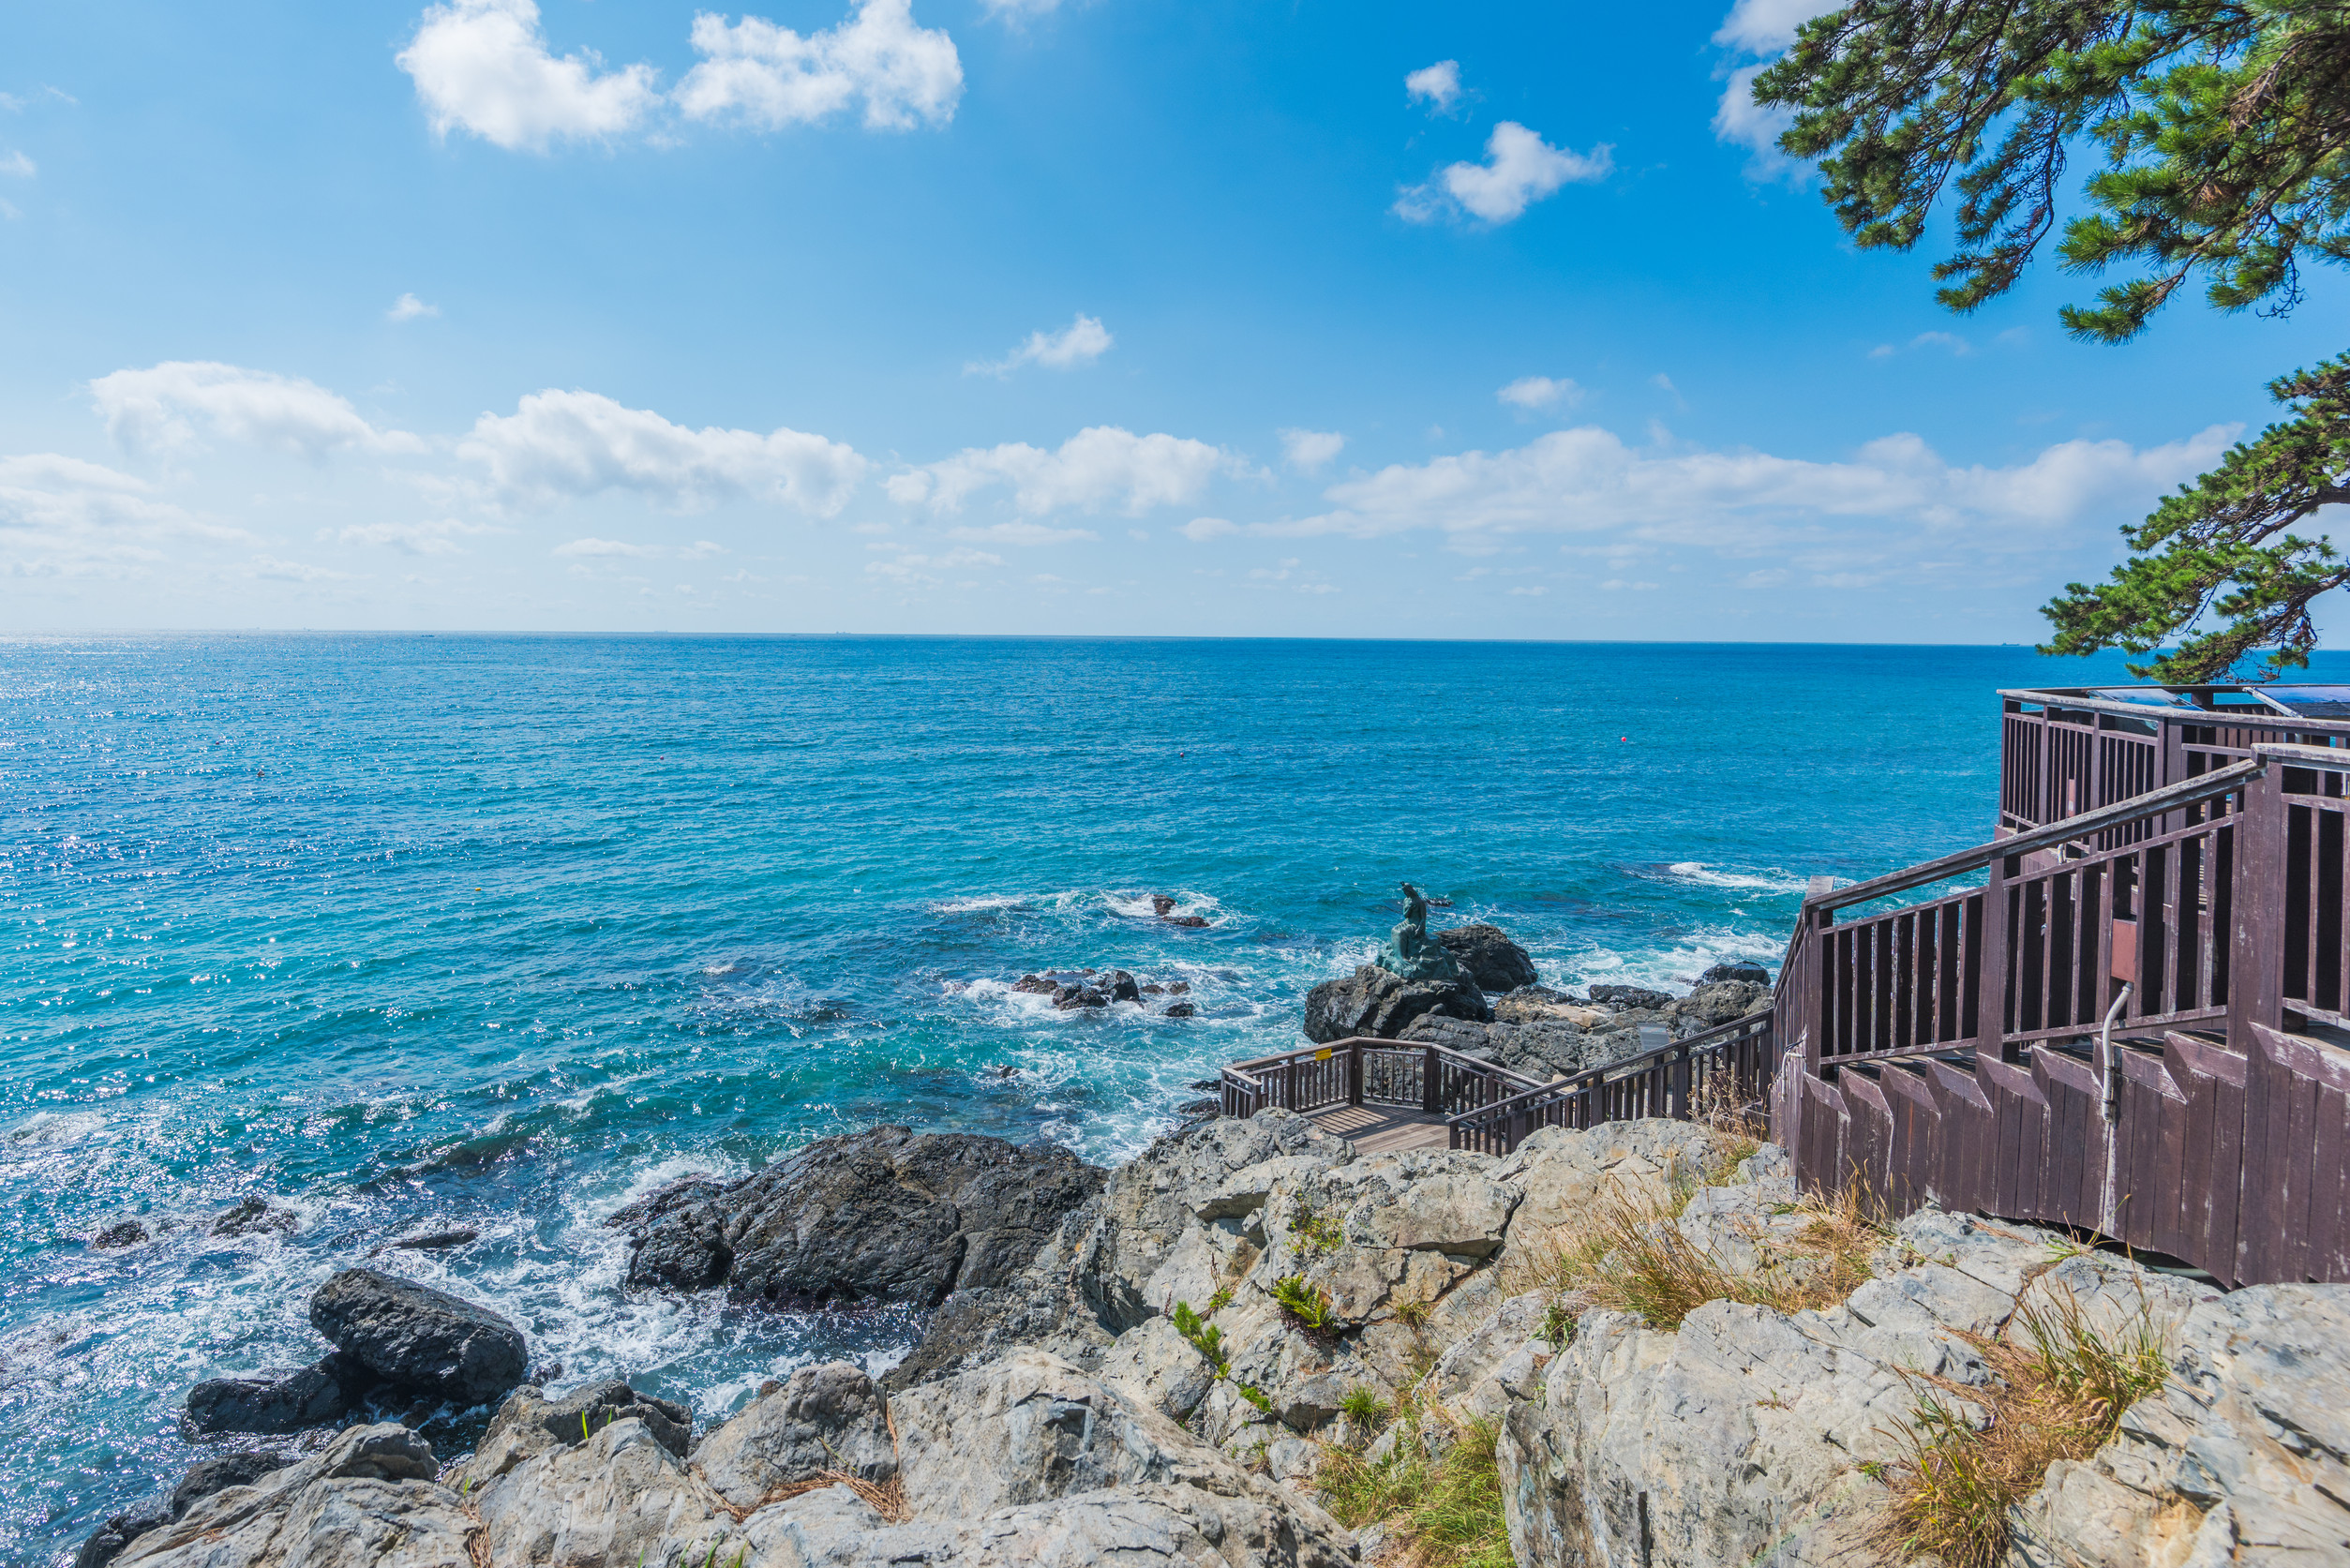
column 2255, row 964
column 1289, row 1082
column 1991, row 968
column 1353, row 1072
column 1431, row 1082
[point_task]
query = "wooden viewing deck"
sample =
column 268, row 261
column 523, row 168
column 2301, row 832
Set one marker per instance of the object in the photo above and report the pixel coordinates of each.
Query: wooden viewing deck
column 2136, row 1024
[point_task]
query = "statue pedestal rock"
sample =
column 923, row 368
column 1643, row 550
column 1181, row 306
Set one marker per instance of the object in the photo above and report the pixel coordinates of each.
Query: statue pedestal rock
column 1412, row 976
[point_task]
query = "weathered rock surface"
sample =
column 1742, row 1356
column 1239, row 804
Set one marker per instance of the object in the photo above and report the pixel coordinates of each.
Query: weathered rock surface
column 1372, row 1002
column 1535, row 1004
column 1749, row 974
column 419, row 1339
column 885, row 1216
column 367, row 1500
column 1637, row 996
column 1487, row 956
column 825, row 1418
column 1026, row 1460
column 530, row 1424
column 120, row 1233
column 2244, row 1458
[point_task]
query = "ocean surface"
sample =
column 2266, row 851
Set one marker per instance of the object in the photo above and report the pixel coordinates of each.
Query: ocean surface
column 411, row 933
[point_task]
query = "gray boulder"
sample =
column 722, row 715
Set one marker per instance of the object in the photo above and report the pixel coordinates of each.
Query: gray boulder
column 253, row 1217
column 120, row 1233
column 1715, row 1004
column 419, row 1339
column 367, row 1500
column 1489, row 957
column 1374, row 1003
column 825, row 1418
column 528, row 1425
column 1742, row 971
column 206, row 1476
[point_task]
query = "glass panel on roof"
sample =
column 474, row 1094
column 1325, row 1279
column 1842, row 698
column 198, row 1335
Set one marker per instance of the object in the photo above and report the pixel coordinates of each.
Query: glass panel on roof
column 2316, row 702
column 2153, row 697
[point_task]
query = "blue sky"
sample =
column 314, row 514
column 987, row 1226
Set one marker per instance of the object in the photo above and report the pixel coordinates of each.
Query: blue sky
column 1104, row 316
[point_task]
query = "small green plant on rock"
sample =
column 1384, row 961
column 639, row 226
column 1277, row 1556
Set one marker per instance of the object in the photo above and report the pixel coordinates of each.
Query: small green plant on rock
column 1558, row 1322
column 1204, row 1336
column 1307, row 1304
column 1364, row 1410
column 1315, row 1230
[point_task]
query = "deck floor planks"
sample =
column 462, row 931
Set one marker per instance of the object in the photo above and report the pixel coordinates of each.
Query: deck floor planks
column 1375, row 1128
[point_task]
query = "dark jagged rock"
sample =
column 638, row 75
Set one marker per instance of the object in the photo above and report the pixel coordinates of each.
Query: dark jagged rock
column 1462, row 1036
column 1036, row 985
column 1161, row 904
column 431, row 1241
column 1489, row 957
column 253, row 1217
column 1178, row 988
column 1192, row 922
column 1119, row 986
column 1629, row 997
column 1750, row 973
column 419, row 1339
column 1711, row 1006
column 1206, row 1105
column 882, row 1216
column 690, row 1189
column 678, row 1240
column 1178, row 1009
column 123, row 1233
column 283, row 1403
column 1373, row 1002
column 1070, row 997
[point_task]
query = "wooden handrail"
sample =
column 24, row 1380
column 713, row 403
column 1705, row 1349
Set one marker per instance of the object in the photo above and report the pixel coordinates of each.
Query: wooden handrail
column 2187, row 792
column 2244, row 718
column 1752, row 1022
column 1314, row 1053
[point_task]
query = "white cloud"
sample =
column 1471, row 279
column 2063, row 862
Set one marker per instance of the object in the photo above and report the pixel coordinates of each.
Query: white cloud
column 560, row 444
column 18, row 166
column 65, row 518
column 1027, row 535
column 768, row 76
column 1438, row 84
column 592, row 549
column 703, row 549
column 483, row 66
column 1541, row 392
column 1310, row 451
column 1760, row 27
column 1201, row 530
column 1098, row 467
column 1519, row 168
column 909, row 569
column 1891, row 500
column 156, row 409
column 1081, row 342
column 1951, row 341
column 1767, row 26
column 408, row 308
column 415, row 539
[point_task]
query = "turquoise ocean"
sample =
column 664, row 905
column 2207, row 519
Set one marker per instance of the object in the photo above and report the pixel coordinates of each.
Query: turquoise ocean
column 409, row 932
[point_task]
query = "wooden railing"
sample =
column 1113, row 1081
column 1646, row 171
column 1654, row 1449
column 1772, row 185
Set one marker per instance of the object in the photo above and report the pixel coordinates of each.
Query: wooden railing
column 1365, row 1071
column 2112, row 1037
column 1725, row 1071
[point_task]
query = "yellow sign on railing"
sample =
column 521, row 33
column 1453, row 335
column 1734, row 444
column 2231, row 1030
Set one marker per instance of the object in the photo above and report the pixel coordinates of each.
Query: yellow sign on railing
column 1322, row 1054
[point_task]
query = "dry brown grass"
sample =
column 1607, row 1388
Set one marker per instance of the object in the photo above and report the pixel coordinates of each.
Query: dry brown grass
column 1629, row 1254
column 1974, row 1453
column 885, row 1498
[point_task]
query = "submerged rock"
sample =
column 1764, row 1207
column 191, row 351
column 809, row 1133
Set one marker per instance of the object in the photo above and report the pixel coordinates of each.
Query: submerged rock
column 1740, row 971
column 253, row 1217
column 1636, row 996
column 1489, row 957
column 120, row 1233
column 419, row 1339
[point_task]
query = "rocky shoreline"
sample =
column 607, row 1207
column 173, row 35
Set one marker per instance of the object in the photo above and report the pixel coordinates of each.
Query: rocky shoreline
column 1653, row 1350
column 1162, row 1361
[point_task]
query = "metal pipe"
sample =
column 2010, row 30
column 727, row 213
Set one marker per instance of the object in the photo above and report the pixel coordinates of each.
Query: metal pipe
column 2105, row 1053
